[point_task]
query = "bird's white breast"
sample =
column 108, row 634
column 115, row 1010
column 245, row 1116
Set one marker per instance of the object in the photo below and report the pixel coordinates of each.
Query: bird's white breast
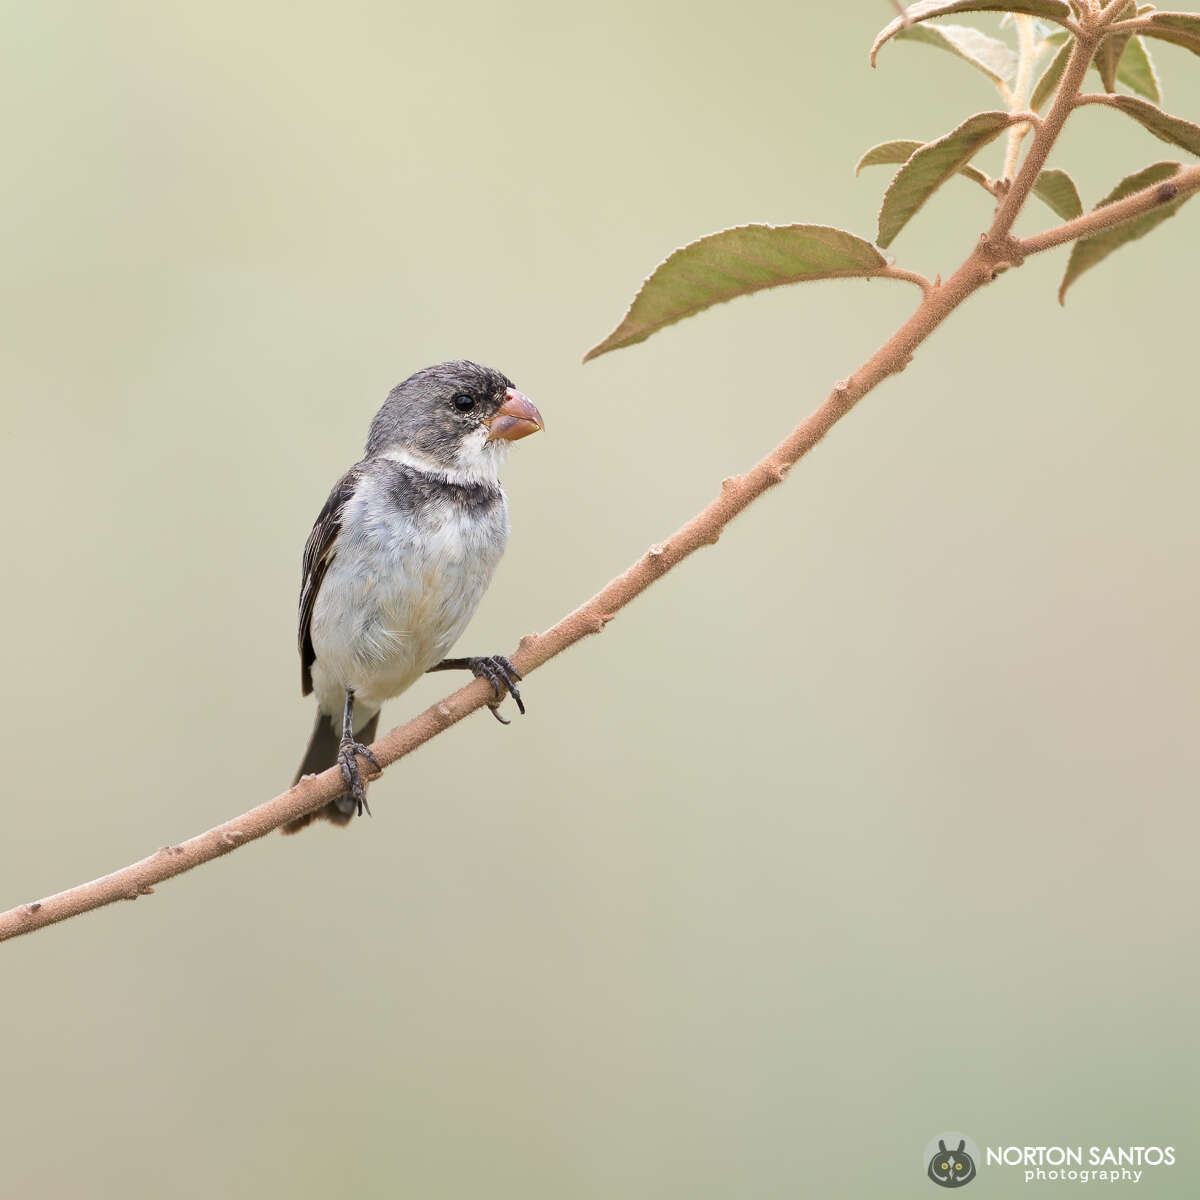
column 404, row 581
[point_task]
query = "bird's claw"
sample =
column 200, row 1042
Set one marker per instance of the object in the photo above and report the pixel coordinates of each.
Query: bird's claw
column 349, row 752
column 503, row 677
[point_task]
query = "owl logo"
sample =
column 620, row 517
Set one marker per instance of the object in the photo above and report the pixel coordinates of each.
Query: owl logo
column 952, row 1168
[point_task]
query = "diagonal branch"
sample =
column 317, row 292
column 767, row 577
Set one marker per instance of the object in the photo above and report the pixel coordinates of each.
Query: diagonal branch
column 736, row 494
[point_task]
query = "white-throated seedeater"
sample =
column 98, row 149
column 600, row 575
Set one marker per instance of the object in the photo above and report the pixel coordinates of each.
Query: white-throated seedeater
column 399, row 557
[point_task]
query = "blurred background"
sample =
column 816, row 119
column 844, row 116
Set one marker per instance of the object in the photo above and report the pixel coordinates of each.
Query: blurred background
column 877, row 820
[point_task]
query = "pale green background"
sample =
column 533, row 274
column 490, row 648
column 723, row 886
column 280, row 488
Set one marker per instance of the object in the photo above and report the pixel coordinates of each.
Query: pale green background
column 876, row 820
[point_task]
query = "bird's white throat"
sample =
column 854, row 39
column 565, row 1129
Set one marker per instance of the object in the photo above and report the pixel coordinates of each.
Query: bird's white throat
column 477, row 462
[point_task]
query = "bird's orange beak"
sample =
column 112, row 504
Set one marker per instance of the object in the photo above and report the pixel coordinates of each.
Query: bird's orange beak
column 515, row 418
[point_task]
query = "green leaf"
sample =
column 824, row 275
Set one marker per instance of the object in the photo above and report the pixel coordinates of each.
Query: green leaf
column 888, row 152
column 1057, row 189
column 1136, row 71
column 1047, row 85
column 1108, row 56
column 901, row 151
column 1163, row 125
column 1053, row 10
column 930, row 166
column 1089, row 251
column 736, row 262
column 1180, row 29
column 995, row 59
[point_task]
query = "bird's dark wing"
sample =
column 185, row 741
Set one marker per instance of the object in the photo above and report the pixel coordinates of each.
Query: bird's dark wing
column 318, row 554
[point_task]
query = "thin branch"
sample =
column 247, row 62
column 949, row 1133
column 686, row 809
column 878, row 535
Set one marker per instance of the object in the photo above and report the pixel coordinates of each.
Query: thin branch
column 1096, row 98
column 1183, row 183
column 1109, row 11
column 1105, row 19
column 737, row 492
column 1132, row 25
column 1046, row 135
column 996, row 250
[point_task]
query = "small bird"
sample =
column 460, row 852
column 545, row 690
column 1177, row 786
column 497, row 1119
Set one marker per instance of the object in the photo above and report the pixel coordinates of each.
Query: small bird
column 399, row 558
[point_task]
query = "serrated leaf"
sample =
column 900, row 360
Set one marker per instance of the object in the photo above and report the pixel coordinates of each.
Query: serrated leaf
column 1053, row 10
column 1180, row 29
column 1089, row 251
column 1136, row 71
column 734, row 263
column 1163, row 125
column 1047, row 85
column 995, row 59
column 930, row 166
column 902, row 150
column 1057, row 189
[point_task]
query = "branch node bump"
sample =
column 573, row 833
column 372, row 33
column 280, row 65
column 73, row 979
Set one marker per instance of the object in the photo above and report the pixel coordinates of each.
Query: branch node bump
column 730, row 481
column 30, row 909
column 444, row 711
column 233, row 837
column 1168, row 191
column 171, row 850
column 530, row 639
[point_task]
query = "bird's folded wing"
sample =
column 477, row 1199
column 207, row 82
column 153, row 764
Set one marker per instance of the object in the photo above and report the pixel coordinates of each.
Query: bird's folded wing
column 318, row 554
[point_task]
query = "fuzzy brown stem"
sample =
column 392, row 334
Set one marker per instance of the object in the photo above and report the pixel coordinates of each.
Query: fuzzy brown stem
column 737, row 492
column 1046, row 135
column 1183, row 183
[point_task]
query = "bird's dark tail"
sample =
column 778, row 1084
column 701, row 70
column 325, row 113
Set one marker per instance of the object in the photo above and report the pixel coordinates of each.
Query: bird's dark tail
column 322, row 753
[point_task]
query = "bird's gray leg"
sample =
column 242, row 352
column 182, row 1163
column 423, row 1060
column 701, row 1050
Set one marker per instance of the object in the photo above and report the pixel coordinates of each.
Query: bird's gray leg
column 497, row 670
column 349, row 752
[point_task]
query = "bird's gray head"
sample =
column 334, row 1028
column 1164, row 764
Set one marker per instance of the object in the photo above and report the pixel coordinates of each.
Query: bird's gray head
column 456, row 418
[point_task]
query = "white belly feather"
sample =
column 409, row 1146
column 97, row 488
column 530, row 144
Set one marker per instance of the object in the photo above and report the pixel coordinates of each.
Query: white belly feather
column 397, row 595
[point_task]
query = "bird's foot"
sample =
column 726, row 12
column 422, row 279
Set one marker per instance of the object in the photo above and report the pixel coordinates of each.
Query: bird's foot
column 503, row 677
column 349, row 752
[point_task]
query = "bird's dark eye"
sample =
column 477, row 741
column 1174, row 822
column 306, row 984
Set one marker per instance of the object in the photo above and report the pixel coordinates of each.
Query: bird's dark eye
column 463, row 402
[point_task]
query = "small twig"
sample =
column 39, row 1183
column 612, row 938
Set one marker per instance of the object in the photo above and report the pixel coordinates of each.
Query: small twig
column 1183, row 183
column 1132, row 25
column 1096, row 98
column 1109, row 12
